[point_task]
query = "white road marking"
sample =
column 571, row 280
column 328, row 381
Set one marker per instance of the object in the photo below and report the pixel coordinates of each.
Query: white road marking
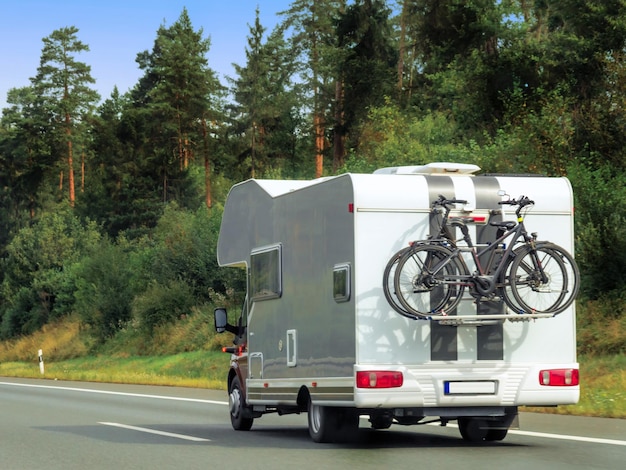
column 215, row 402
column 566, row 437
column 125, row 394
column 154, row 431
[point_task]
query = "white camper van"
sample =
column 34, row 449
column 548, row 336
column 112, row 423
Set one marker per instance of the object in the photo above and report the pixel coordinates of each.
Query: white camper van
column 317, row 333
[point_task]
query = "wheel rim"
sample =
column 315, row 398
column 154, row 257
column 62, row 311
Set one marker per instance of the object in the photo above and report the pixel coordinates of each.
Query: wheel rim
column 234, row 401
column 534, row 292
column 422, row 292
column 315, row 418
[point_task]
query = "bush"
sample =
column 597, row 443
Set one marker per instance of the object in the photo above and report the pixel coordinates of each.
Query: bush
column 600, row 234
column 162, row 304
column 104, row 289
column 601, row 326
column 23, row 316
column 38, row 271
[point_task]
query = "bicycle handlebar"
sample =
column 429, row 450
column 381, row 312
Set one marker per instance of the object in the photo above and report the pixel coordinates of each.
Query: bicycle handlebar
column 443, row 201
column 522, row 201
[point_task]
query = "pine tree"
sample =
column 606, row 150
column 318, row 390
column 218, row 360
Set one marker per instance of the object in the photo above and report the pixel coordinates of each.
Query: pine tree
column 315, row 40
column 62, row 84
column 173, row 100
column 265, row 99
column 368, row 64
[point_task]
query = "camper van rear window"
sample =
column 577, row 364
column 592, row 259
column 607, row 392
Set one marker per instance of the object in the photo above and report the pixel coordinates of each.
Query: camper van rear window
column 265, row 273
column 341, row 282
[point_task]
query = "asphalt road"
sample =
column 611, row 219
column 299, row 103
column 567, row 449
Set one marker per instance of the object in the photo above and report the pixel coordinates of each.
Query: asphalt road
column 69, row 425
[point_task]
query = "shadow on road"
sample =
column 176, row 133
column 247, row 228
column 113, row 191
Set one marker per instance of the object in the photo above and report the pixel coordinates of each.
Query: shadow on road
column 287, row 437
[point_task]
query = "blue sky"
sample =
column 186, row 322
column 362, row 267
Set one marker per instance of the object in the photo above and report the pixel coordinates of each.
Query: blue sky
column 116, row 30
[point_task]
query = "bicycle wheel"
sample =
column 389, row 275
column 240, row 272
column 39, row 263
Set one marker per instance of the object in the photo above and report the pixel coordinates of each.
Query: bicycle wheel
column 573, row 273
column 426, row 280
column 544, row 280
column 388, row 281
column 506, row 291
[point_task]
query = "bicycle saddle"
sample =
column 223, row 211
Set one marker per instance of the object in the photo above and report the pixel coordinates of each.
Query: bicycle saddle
column 505, row 224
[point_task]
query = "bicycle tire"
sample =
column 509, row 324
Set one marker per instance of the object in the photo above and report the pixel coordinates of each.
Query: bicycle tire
column 505, row 289
column 573, row 273
column 531, row 293
column 423, row 293
column 388, row 283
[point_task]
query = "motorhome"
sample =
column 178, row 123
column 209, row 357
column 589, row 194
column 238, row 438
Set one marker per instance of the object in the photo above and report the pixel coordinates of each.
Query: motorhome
column 318, row 335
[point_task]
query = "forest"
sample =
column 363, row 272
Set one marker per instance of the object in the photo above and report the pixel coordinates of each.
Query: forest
column 110, row 206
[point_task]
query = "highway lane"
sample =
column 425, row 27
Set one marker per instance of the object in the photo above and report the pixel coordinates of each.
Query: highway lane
column 69, row 425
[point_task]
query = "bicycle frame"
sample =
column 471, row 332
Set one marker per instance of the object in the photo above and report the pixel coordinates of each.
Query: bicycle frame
column 518, row 234
column 487, row 278
column 507, row 268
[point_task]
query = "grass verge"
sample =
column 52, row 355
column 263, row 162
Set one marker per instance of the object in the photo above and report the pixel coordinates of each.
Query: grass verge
column 201, row 369
column 187, row 354
column 603, row 379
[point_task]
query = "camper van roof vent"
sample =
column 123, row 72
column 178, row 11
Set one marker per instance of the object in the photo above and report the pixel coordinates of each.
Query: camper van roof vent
column 439, row 168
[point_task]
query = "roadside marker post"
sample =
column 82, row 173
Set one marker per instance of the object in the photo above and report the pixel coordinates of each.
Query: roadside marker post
column 41, row 361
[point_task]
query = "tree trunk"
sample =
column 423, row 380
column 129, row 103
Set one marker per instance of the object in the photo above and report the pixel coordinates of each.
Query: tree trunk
column 339, row 139
column 253, row 150
column 319, row 145
column 207, row 165
column 70, row 160
column 402, row 49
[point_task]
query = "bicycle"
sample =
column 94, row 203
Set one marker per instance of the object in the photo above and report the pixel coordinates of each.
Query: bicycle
column 442, row 206
column 430, row 277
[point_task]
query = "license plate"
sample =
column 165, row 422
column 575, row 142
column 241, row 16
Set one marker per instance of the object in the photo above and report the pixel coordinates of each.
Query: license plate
column 464, row 387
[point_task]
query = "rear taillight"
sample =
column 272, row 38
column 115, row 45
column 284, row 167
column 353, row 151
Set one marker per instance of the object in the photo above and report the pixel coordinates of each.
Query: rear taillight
column 379, row 379
column 559, row 377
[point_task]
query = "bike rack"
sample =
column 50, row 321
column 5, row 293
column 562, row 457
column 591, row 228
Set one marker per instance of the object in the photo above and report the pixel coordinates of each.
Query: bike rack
column 484, row 320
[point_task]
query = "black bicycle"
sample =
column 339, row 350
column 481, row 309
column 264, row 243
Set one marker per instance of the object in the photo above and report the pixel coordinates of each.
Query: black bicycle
column 441, row 207
column 430, row 277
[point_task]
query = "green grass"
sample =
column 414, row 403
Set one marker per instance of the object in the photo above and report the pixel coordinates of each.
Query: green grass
column 188, row 354
column 602, row 388
column 202, row 369
column 603, row 379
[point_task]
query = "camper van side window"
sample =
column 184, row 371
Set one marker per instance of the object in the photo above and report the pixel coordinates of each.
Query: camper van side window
column 341, row 282
column 265, row 273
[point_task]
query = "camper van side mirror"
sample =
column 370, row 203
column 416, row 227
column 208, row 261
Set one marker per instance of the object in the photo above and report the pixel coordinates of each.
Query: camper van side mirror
column 221, row 320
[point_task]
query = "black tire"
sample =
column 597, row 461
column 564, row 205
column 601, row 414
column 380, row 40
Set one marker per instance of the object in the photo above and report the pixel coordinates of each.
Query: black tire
column 506, row 292
column 238, row 409
column 330, row 424
column 544, row 280
column 573, row 273
column 496, row 434
column 388, row 284
column 473, row 429
column 422, row 292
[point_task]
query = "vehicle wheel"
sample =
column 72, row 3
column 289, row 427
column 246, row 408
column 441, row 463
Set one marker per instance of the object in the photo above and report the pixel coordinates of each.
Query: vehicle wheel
column 573, row 274
column 423, row 291
column 238, row 408
column 506, row 291
column 496, row 434
column 473, row 429
column 329, row 424
column 388, row 281
column 544, row 280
